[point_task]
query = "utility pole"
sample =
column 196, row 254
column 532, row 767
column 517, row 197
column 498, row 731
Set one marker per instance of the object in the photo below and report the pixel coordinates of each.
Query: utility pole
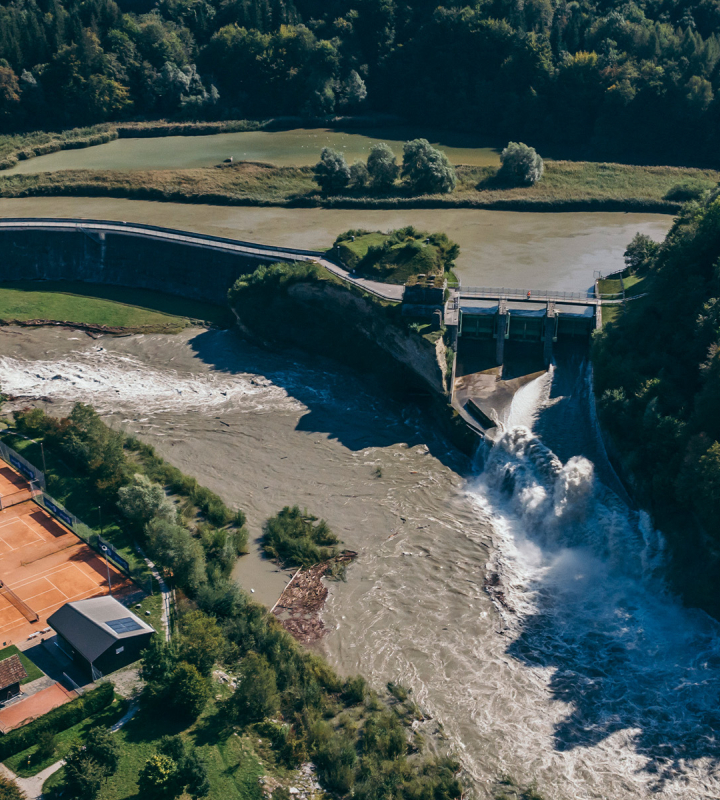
column 107, row 564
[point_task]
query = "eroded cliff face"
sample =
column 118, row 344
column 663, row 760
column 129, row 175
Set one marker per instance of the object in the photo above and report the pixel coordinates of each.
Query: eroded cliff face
column 336, row 322
column 426, row 360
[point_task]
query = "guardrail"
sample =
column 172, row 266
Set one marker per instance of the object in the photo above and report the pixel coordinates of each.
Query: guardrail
column 117, row 226
column 525, row 294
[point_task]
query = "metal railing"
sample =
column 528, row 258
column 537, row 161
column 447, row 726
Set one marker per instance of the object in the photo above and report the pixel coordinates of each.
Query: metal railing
column 527, row 294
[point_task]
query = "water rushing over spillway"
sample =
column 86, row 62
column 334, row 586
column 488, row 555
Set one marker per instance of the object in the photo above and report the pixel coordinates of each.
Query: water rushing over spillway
column 519, row 596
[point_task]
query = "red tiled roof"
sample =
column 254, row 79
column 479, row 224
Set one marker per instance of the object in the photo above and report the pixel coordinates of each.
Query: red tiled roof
column 11, row 671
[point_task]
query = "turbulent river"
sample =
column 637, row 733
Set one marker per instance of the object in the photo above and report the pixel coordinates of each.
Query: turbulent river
column 519, row 595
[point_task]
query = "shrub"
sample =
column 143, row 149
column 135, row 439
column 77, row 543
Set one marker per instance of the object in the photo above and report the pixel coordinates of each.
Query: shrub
column 686, row 191
column 426, row 169
column 355, row 690
column 293, row 537
column 256, row 696
column 45, row 744
column 382, row 166
column 521, row 165
column 9, row 790
column 332, row 172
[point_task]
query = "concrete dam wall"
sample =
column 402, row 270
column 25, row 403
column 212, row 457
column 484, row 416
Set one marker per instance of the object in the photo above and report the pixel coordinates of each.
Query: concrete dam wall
column 193, row 266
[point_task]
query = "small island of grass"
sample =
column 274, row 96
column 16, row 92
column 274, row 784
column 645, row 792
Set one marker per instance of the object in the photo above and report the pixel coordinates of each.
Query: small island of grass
column 397, row 256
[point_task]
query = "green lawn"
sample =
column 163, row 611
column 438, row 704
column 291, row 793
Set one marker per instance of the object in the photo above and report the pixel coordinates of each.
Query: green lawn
column 353, row 252
column 27, row 763
column 232, row 764
column 404, row 260
column 153, row 604
column 97, row 304
column 32, row 670
column 634, row 285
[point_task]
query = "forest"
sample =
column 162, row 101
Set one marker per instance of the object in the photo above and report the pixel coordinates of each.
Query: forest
column 657, row 373
column 605, row 79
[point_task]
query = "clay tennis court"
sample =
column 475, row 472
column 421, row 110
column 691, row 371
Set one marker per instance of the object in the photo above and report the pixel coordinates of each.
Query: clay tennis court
column 43, row 565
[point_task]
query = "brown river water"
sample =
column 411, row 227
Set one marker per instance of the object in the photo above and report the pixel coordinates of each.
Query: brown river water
column 561, row 251
column 514, row 592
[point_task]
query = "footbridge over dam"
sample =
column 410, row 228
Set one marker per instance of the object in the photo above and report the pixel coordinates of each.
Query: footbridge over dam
column 525, row 315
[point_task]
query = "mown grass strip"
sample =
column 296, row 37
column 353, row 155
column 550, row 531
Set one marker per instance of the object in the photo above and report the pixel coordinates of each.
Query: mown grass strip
column 98, row 304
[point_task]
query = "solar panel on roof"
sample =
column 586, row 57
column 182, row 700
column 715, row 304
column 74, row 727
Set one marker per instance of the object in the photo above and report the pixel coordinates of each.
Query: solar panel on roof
column 124, row 625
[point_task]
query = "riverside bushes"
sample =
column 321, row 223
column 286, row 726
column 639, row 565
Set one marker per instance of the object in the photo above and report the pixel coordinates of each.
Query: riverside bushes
column 298, row 539
column 359, row 750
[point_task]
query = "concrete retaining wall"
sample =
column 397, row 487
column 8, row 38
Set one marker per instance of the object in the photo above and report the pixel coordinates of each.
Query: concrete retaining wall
column 123, row 260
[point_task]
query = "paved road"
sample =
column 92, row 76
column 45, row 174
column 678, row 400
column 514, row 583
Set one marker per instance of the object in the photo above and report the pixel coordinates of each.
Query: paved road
column 94, row 228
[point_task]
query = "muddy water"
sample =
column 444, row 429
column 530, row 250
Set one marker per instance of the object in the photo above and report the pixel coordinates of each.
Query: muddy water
column 498, row 248
column 260, row 429
column 520, row 600
column 299, row 147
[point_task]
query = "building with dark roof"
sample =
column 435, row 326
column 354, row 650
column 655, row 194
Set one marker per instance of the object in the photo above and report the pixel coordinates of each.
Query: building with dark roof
column 12, row 673
column 100, row 634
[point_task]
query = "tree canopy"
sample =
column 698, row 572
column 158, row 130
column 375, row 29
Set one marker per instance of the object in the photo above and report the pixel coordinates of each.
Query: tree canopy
column 657, row 371
column 638, row 78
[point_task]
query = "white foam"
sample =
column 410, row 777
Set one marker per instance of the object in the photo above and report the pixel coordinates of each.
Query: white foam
column 111, row 381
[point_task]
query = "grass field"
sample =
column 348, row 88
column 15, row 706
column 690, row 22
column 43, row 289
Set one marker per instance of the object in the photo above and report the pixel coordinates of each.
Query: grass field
column 33, row 671
column 96, row 304
column 405, row 258
column 28, row 763
column 566, row 184
column 233, row 767
column 634, row 285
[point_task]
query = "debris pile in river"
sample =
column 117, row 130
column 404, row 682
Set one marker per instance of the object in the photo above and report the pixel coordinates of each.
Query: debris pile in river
column 300, row 604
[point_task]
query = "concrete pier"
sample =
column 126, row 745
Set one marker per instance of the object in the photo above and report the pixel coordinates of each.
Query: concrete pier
column 549, row 333
column 502, row 328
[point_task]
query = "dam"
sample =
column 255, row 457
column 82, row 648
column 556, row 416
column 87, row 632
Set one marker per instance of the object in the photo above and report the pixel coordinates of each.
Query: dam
column 547, row 647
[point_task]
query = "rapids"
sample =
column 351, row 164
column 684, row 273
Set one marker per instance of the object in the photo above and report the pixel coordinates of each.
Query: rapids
column 520, row 595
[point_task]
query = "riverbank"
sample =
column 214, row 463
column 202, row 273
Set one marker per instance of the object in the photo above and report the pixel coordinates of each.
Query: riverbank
column 566, row 186
column 102, row 308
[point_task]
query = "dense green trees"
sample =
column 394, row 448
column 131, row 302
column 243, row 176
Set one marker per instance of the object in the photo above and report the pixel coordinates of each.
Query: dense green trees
column 657, row 372
column 426, row 170
column 89, row 765
column 636, row 78
column 288, row 693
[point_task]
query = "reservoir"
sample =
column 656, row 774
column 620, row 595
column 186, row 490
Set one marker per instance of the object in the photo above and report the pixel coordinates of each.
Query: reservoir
column 563, row 251
column 300, row 147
